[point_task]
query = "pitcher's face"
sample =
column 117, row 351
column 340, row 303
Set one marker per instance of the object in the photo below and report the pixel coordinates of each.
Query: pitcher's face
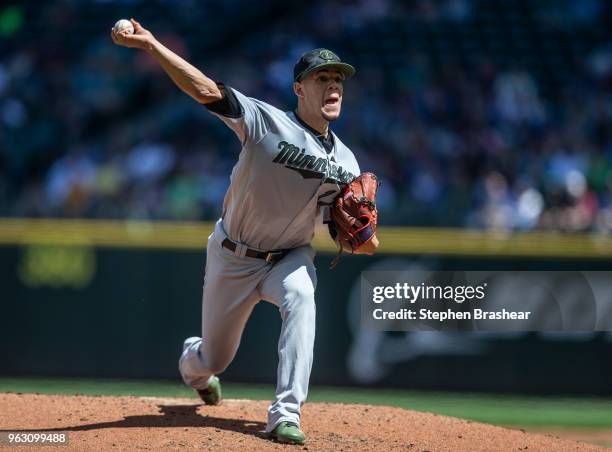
column 322, row 93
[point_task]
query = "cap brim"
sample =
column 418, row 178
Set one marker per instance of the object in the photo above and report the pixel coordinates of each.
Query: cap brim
column 345, row 68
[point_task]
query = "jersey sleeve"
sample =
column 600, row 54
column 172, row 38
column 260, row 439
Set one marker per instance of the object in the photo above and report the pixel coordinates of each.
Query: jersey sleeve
column 240, row 113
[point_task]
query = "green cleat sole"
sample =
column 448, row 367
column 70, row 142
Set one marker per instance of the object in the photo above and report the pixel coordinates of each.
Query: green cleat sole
column 212, row 395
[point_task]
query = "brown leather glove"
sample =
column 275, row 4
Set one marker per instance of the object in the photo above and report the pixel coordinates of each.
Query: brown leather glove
column 354, row 213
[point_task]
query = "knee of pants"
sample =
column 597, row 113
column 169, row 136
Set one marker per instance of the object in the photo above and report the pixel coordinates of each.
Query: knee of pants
column 217, row 367
column 299, row 300
column 217, row 360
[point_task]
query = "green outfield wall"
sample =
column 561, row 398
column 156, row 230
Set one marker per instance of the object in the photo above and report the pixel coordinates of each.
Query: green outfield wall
column 115, row 299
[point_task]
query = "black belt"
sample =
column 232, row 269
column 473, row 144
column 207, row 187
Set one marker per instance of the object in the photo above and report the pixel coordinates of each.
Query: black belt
column 268, row 256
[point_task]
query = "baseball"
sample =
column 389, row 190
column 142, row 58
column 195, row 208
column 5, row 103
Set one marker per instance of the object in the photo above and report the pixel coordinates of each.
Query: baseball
column 124, row 24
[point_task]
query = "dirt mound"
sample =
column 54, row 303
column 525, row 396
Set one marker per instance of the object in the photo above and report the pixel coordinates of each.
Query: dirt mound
column 137, row 423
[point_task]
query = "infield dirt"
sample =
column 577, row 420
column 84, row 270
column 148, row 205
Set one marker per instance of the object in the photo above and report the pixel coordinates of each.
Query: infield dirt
column 148, row 423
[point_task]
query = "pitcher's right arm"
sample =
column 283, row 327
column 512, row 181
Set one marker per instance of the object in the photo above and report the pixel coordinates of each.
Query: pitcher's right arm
column 187, row 77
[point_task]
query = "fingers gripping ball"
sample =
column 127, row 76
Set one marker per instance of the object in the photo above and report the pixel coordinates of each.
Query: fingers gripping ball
column 124, row 25
column 354, row 212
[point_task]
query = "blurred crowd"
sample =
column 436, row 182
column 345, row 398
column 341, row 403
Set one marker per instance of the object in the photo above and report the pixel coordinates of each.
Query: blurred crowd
column 461, row 107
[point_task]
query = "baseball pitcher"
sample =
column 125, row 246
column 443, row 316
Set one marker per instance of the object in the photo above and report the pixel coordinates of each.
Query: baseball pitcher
column 292, row 172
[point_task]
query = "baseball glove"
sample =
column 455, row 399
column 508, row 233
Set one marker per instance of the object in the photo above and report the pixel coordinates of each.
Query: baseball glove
column 354, row 213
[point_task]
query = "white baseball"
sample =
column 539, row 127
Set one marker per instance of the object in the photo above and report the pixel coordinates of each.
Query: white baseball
column 124, row 24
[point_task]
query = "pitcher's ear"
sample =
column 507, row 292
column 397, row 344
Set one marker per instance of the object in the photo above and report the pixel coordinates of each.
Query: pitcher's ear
column 297, row 89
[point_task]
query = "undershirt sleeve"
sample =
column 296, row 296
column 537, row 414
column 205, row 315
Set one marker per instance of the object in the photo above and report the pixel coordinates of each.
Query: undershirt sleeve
column 240, row 113
column 227, row 106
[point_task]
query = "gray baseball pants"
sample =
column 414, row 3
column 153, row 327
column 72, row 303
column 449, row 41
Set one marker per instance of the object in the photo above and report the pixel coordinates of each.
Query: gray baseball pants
column 233, row 285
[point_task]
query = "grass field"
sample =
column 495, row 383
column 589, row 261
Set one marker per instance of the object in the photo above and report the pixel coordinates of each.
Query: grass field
column 514, row 411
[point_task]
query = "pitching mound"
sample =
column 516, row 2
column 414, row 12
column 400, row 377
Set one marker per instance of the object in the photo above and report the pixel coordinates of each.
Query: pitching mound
column 136, row 423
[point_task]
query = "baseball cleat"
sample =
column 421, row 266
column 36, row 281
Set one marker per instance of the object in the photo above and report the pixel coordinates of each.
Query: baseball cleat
column 211, row 395
column 289, row 433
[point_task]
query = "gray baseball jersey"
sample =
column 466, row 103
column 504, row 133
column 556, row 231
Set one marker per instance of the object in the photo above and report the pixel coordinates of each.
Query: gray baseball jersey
column 283, row 180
